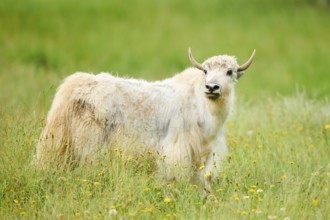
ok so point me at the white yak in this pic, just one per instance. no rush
(181, 118)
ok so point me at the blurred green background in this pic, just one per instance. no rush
(42, 41)
(278, 144)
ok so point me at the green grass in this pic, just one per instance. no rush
(279, 160)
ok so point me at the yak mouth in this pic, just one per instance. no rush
(212, 95)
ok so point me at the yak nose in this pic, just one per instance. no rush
(212, 87)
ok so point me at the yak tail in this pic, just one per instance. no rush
(55, 143)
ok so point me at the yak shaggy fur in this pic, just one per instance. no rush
(174, 117)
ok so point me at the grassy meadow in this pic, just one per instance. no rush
(278, 165)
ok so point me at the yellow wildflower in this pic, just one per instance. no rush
(167, 200)
(326, 126)
(147, 210)
(129, 158)
(131, 214)
(195, 186)
(244, 213)
(315, 201)
(201, 167)
(117, 149)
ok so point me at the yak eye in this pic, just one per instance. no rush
(229, 72)
(205, 71)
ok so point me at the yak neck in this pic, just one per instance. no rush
(222, 107)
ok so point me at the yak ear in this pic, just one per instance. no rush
(239, 74)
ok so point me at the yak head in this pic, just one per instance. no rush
(221, 73)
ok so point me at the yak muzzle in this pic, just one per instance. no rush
(212, 91)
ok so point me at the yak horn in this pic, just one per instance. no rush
(248, 63)
(193, 61)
